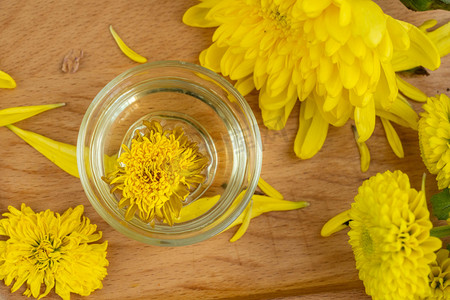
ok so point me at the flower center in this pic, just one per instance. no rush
(277, 19)
(366, 243)
(45, 253)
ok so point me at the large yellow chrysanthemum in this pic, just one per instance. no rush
(390, 237)
(51, 249)
(434, 137)
(338, 57)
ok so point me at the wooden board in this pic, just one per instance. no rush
(282, 255)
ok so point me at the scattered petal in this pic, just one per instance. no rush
(15, 114)
(125, 49)
(243, 228)
(335, 224)
(393, 138)
(269, 190)
(61, 154)
(6, 81)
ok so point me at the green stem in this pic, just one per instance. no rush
(441, 231)
(421, 5)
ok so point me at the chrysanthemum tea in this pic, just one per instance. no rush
(157, 173)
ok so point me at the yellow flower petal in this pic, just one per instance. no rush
(276, 119)
(245, 85)
(6, 81)
(400, 112)
(196, 16)
(363, 151)
(335, 224)
(212, 56)
(311, 133)
(125, 49)
(393, 138)
(422, 51)
(263, 204)
(16, 114)
(196, 208)
(410, 91)
(61, 154)
(427, 25)
(399, 35)
(313, 8)
(441, 38)
(269, 190)
(365, 121)
(243, 228)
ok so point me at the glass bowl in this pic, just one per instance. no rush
(211, 112)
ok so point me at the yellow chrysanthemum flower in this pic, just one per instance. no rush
(390, 237)
(338, 57)
(439, 277)
(51, 249)
(157, 173)
(434, 136)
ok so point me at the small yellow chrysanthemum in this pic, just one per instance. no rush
(439, 276)
(51, 249)
(390, 237)
(434, 137)
(157, 173)
(338, 57)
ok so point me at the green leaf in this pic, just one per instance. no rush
(441, 204)
(422, 5)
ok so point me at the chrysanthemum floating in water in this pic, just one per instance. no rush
(390, 236)
(338, 57)
(157, 173)
(434, 136)
(51, 249)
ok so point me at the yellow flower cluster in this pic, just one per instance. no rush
(390, 237)
(51, 249)
(338, 57)
(156, 174)
(434, 136)
(439, 276)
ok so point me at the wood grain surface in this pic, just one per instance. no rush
(282, 254)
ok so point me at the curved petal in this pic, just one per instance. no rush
(441, 38)
(363, 151)
(16, 114)
(393, 138)
(125, 49)
(365, 120)
(243, 228)
(61, 154)
(211, 57)
(400, 112)
(245, 85)
(6, 81)
(276, 119)
(269, 190)
(311, 133)
(410, 91)
(335, 224)
(422, 51)
(196, 16)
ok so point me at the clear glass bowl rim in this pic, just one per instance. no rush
(252, 124)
